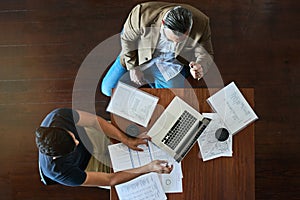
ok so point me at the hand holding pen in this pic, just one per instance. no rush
(196, 70)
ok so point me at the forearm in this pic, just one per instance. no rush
(110, 130)
(203, 58)
(89, 120)
(158, 166)
(124, 176)
(129, 38)
(204, 50)
(129, 52)
(105, 179)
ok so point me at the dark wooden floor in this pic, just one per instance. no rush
(44, 43)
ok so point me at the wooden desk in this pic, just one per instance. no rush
(230, 178)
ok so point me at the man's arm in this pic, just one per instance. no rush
(106, 179)
(129, 41)
(204, 56)
(204, 52)
(89, 120)
(130, 34)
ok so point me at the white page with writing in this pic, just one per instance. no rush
(172, 183)
(132, 104)
(210, 146)
(124, 158)
(232, 107)
(145, 187)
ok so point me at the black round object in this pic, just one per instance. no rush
(132, 130)
(222, 134)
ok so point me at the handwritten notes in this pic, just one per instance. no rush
(210, 146)
(232, 114)
(232, 107)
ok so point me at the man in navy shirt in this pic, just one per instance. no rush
(65, 150)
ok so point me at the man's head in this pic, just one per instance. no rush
(179, 20)
(54, 141)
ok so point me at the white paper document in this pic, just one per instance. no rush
(124, 158)
(132, 104)
(168, 69)
(210, 146)
(145, 187)
(232, 107)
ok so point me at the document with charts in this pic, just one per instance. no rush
(132, 104)
(232, 108)
(145, 187)
(123, 158)
(210, 146)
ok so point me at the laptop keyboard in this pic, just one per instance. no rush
(205, 123)
(179, 129)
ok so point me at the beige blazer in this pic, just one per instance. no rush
(141, 33)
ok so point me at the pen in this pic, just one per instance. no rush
(166, 164)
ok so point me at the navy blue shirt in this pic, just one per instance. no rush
(69, 169)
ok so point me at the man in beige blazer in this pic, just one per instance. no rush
(160, 41)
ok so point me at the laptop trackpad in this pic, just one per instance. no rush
(162, 125)
(168, 120)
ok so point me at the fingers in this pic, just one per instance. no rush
(161, 162)
(196, 70)
(196, 74)
(166, 170)
(192, 64)
(144, 136)
(135, 142)
(138, 82)
(142, 141)
(199, 74)
(137, 76)
(163, 166)
(137, 148)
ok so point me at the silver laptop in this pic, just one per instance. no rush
(178, 128)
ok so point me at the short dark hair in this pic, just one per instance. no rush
(54, 141)
(178, 19)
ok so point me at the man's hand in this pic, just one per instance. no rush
(137, 76)
(196, 70)
(133, 143)
(160, 166)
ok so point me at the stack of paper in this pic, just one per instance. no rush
(232, 113)
(124, 158)
(145, 187)
(210, 146)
